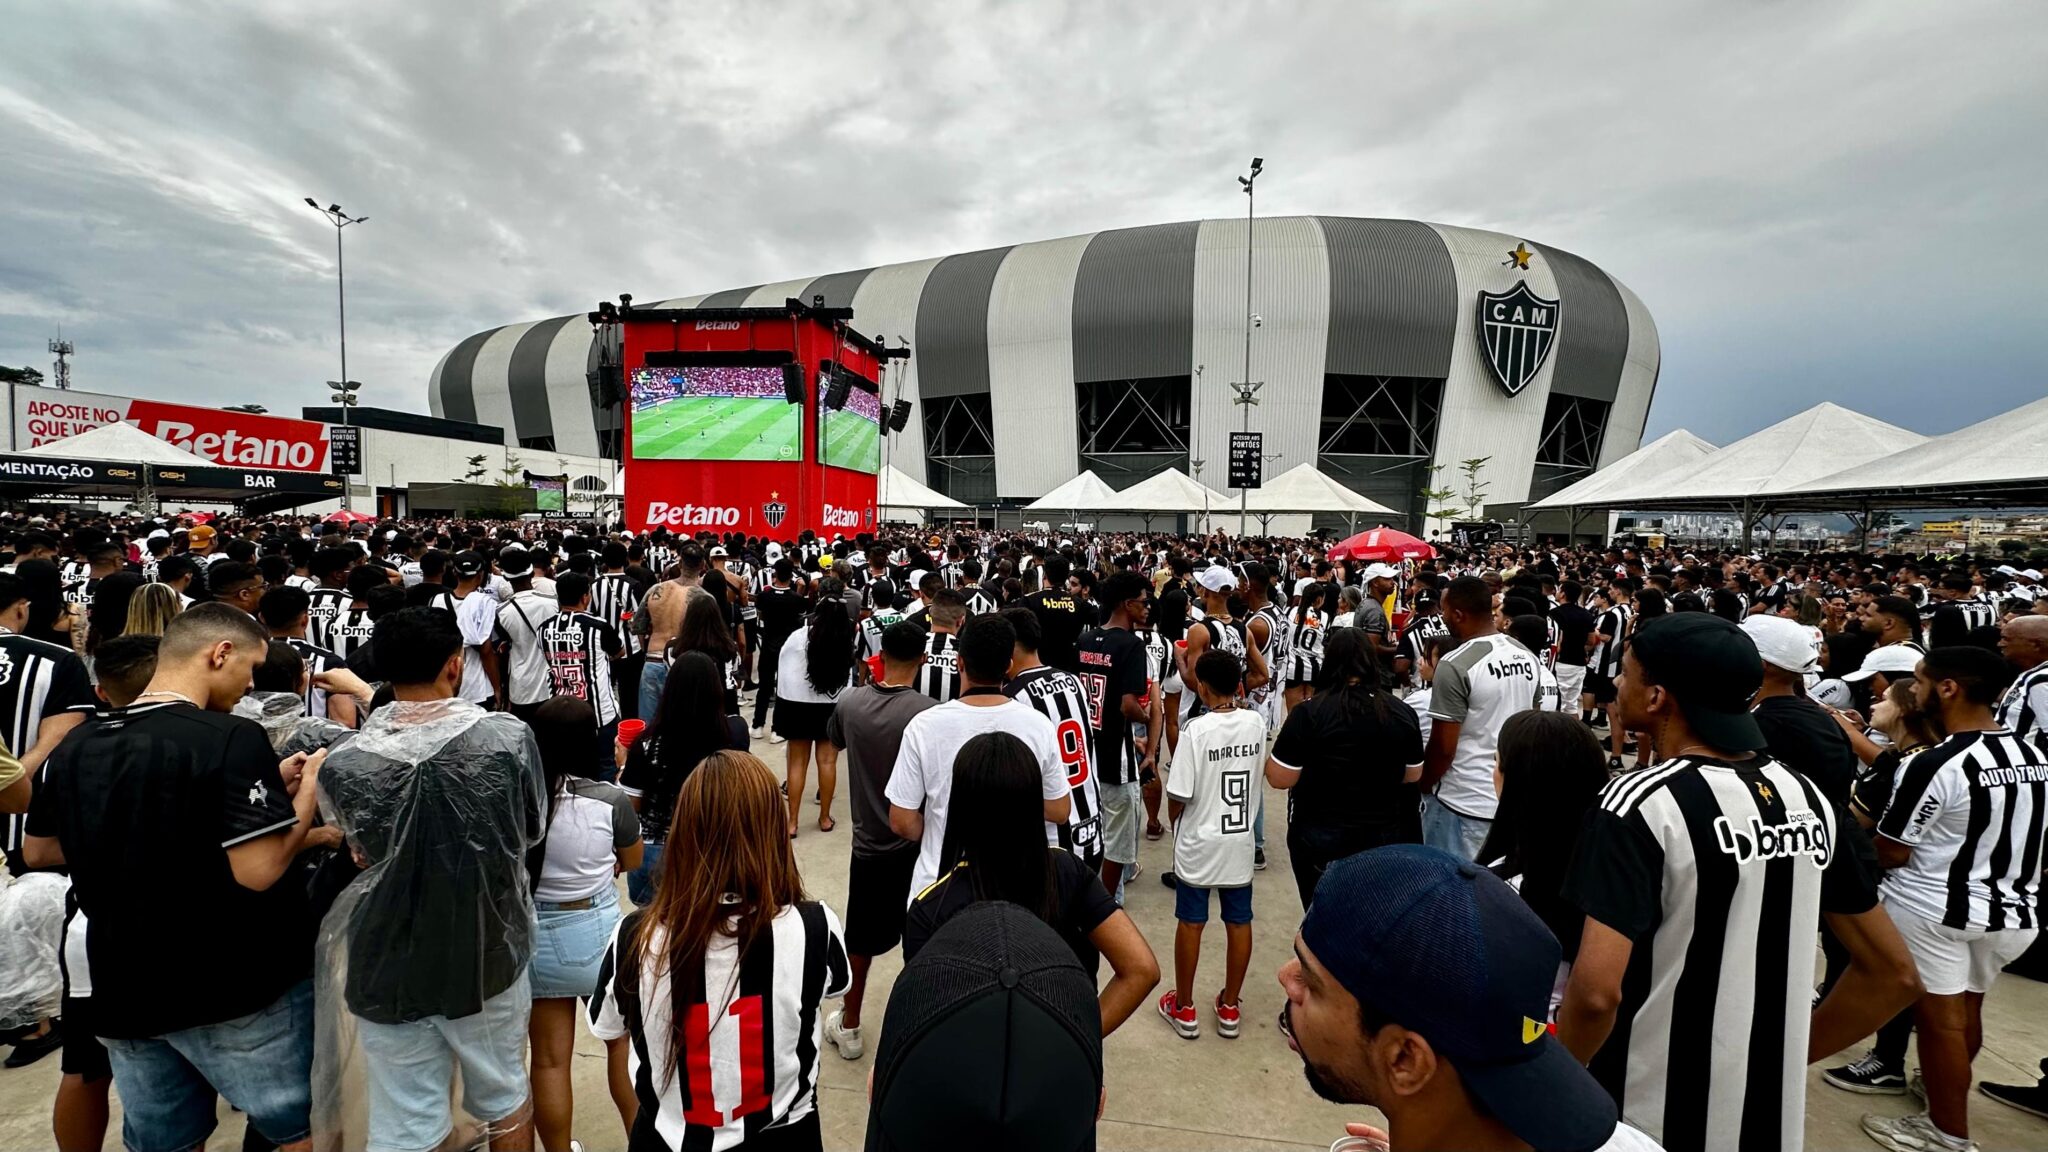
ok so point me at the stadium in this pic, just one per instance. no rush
(1387, 352)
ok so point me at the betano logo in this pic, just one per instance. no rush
(836, 517)
(662, 514)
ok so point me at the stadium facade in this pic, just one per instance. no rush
(1385, 348)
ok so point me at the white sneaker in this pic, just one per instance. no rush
(1914, 1133)
(758, 732)
(777, 738)
(847, 1040)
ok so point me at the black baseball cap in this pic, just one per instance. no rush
(1712, 667)
(994, 1037)
(1444, 948)
(470, 563)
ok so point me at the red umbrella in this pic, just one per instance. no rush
(1382, 544)
(347, 517)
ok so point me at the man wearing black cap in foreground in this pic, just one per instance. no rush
(993, 1039)
(1704, 879)
(1419, 986)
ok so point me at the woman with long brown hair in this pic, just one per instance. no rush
(730, 945)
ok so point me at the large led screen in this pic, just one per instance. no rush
(714, 413)
(852, 436)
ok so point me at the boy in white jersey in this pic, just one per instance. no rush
(1211, 794)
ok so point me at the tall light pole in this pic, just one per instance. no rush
(1245, 388)
(344, 389)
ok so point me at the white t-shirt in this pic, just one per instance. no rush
(1479, 685)
(1217, 770)
(792, 675)
(1419, 700)
(592, 822)
(923, 777)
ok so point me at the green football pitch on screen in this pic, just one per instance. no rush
(719, 428)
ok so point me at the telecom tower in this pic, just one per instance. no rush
(62, 349)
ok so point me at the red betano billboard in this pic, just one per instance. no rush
(713, 441)
(239, 439)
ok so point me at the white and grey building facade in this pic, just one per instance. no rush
(1118, 351)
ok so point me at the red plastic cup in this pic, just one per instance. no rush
(630, 730)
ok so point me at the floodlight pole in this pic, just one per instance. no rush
(340, 220)
(1245, 386)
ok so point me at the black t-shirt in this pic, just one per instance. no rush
(1803, 737)
(1061, 617)
(1080, 905)
(1352, 751)
(145, 802)
(1574, 624)
(1112, 664)
(655, 787)
(781, 612)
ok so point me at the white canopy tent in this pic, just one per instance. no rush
(123, 442)
(2000, 460)
(1672, 454)
(1824, 439)
(898, 497)
(1303, 489)
(1085, 492)
(1171, 491)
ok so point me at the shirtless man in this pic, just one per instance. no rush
(663, 606)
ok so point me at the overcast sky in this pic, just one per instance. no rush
(1815, 201)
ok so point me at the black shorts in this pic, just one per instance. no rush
(83, 1054)
(1601, 687)
(877, 896)
(801, 720)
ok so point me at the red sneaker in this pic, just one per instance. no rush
(1228, 1018)
(1181, 1016)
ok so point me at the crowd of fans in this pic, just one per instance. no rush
(1598, 847)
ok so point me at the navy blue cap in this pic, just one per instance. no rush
(1444, 948)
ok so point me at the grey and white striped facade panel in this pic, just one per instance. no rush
(1022, 324)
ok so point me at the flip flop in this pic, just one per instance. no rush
(827, 824)
(1155, 831)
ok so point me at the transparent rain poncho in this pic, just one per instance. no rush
(31, 938)
(441, 803)
(284, 720)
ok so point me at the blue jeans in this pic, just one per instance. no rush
(410, 1068)
(1454, 833)
(653, 677)
(262, 1063)
(570, 944)
(640, 881)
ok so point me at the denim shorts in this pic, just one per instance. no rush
(640, 881)
(1191, 904)
(570, 943)
(410, 1068)
(262, 1063)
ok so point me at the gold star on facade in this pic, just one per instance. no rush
(1519, 257)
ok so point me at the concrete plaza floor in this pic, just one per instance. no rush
(1169, 1093)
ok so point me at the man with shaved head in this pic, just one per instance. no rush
(2023, 710)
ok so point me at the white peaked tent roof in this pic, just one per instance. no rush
(1824, 439)
(1084, 491)
(1672, 454)
(1168, 491)
(2007, 450)
(896, 490)
(124, 443)
(1303, 489)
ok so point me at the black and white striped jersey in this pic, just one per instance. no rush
(1305, 637)
(37, 681)
(614, 599)
(1605, 659)
(1972, 809)
(323, 605)
(1718, 871)
(1950, 622)
(659, 559)
(2023, 710)
(1059, 697)
(752, 1029)
(578, 648)
(350, 629)
(979, 602)
(1415, 639)
(317, 660)
(939, 678)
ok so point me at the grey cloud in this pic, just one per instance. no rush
(1824, 201)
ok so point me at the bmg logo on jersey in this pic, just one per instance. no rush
(1803, 834)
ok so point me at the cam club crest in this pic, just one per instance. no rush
(1516, 331)
(773, 510)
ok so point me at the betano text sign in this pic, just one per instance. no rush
(243, 439)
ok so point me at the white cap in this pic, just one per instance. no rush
(916, 579)
(718, 551)
(2007, 569)
(157, 534)
(857, 559)
(773, 552)
(1381, 571)
(1894, 660)
(1832, 693)
(1783, 643)
(2031, 573)
(1216, 578)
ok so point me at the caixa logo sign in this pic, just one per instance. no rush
(837, 517)
(662, 514)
